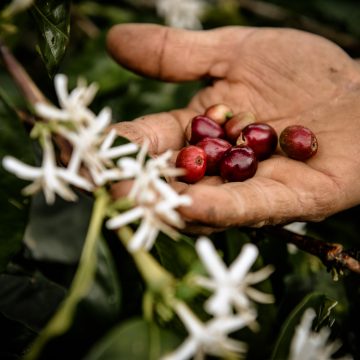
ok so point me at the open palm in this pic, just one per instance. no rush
(284, 77)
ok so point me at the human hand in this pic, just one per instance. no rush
(284, 77)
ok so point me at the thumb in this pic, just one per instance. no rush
(163, 130)
(174, 54)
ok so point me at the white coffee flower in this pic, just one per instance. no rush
(231, 286)
(93, 151)
(50, 178)
(73, 106)
(182, 14)
(310, 345)
(209, 338)
(156, 201)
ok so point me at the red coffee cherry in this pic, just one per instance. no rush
(262, 138)
(215, 150)
(235, 124)
(238, 164)
(219, 113)
(202, 127)
(298, 142)
(193, 160)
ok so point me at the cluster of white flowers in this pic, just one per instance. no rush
(231, 291)
(92, 149)
(155, 199)
(310, 345)
(182, 14)
(91, 146)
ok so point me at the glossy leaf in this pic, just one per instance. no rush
(57, 232)
(96, 312)
(52, 18)
(135, 339)
(28, 297)
(175, 256)
(82, 282)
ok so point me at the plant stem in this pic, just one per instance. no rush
(82, 281)
(156, 277)
(30, 91)
(331, 254)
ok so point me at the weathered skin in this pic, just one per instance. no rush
(284, 77)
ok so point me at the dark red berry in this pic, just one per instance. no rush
(202, 127)
(298, 142)
(219, 113)
(235, 124)
(262, 138)
(238, 164)
(215, 150)
(193, 160)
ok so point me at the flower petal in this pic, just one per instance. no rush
(210, 258)
(117, 151)
(243, 262)
(125, 218)
(75, 179)
(20, 169)
(185, 351)
(50, 112)
(140, 238)
(193, 325)
(219, 304)
(61, 88)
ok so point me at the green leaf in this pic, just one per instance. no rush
(82, 282)
(104, 298)
(13, 206)
(28, 297)
(96, 312)
(323, 307)
(52, 18)
(175, 256)
(15, 338)
(57, 232)
(135, 339)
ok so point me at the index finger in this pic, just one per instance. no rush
(175, 54)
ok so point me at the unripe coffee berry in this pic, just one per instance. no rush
(238, 164)
(235, 124)
(215, 150)
(219, 113)
(202, 127)
(262, 138)
(298, 142)
(193, 160)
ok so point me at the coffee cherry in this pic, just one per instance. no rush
(298, 142)
(193, 160)
(235, 124)
(202, 127)
(219, 113)
(214, 149)
(262, 138)
(238, 164)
